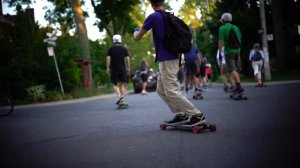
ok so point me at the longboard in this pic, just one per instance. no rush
(238, 96)
(195, 129)
(122, 106)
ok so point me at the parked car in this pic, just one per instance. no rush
(138, 83)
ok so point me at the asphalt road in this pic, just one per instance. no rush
(263, 131)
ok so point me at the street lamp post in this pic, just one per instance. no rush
(50, 48)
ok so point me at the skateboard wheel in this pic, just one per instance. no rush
(196, 129)
(162, 126)
(212, 127)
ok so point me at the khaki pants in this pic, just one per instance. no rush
(168, 89)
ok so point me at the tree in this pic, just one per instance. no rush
(68, 12)
(114, 15)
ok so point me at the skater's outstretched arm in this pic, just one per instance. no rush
(137, 35)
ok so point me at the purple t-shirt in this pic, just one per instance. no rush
(155, 22)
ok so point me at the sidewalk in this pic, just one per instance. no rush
(112, 95)
(65, 101)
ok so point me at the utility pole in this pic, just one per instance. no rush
(265, 47)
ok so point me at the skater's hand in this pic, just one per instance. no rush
(136, 31)
(108, 71)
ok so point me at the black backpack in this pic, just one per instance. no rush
(257, 56)
(178, 37)
(234, 41)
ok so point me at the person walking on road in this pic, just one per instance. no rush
(256, 57)
(144, 66)
(118, 67)
(167, 86)
(201, 73)
(208, 72)
(230, 39)
(192, 60)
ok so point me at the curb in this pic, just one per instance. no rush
(80, 100)
(113, 95)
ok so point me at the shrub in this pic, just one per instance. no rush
(36, 92)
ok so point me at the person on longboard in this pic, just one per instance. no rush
(191, 64)
(230, 38)
(118, 67)
(167, 86)
(256, 57)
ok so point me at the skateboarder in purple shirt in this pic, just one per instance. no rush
(167, 87)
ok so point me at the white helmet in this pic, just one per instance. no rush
(117, 38)
(226, 17)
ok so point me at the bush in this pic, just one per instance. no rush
(36, 92)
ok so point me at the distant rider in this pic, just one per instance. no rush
(118, 67)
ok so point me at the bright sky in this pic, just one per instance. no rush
(93, 31)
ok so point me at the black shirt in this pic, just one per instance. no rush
(117, 55)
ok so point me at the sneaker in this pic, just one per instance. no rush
(197, 119)
(197, 92)
(144, 92)
(178, 119)
(119, 99)
(226, 89)
(186, 90)
(262, 85)
(121, 102)
(237, 90)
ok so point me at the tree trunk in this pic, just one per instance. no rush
(83, 41)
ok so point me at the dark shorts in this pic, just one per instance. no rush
(119, 77)
(233, 62)
(190, 68)
(144, 77)
(180, 76)
(208, 76)
(202, 72)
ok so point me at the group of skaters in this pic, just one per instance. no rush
(195, 72)
(118, 66)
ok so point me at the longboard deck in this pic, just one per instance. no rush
(240, 96)
(122, 106)
(195, 129)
